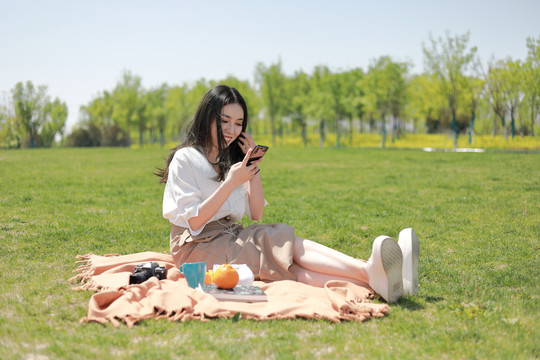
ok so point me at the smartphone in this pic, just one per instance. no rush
(257, 153)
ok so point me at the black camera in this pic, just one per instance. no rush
(143, 272)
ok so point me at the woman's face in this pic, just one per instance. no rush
(232, 118)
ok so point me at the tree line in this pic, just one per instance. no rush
(456, 94)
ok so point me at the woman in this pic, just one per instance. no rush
(210, 187)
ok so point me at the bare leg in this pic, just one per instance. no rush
(314, 278)
(317, 262)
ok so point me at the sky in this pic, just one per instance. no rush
(79, 49)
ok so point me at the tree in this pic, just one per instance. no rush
(84, 136)
(337, 84)
(127, 104)
(369, 100)
(99, 126)
(298, 92)
(181, 103)
(57, 113)
(30, 108)
(473, 91)
(140, 115)
(426, 102)
(497, 95)
(376, 83)
(38, 119)
(398, 84)
(194, 96)
(387, 83)
(512, 86)
(449, 59)
(351, 99)
(156, 112)
(10, 129)
(271, 82)
(532, 79)
(176, 110)
(99, 111)
(322, 104)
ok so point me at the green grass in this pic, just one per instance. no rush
(477, 217)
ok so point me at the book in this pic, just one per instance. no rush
(245, 293)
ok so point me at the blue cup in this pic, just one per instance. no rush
(194, 273)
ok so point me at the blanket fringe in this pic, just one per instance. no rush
(85, 271)
(182, 315)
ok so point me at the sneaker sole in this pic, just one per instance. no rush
(409, 245)
(392, 261)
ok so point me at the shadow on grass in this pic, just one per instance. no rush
(433, 299)
(416, 303)
(410, 303)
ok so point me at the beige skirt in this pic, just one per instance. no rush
(266, 249)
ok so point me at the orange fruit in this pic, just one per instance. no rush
(208, 277)
(225, 276)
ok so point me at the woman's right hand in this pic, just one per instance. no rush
(240, 172)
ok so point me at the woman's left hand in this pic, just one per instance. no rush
(246, 142)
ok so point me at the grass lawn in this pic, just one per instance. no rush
(477, 217)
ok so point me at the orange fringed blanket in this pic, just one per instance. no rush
(116, 301)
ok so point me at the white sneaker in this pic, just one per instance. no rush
(408, 242)
(384, 269)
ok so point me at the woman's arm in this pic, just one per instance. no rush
(237, 175)
(256, 197)
(211, 205)
(255, 189)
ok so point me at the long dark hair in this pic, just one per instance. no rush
(198, 133)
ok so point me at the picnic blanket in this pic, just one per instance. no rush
(117, 302)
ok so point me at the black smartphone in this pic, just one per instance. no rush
(257, 153)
